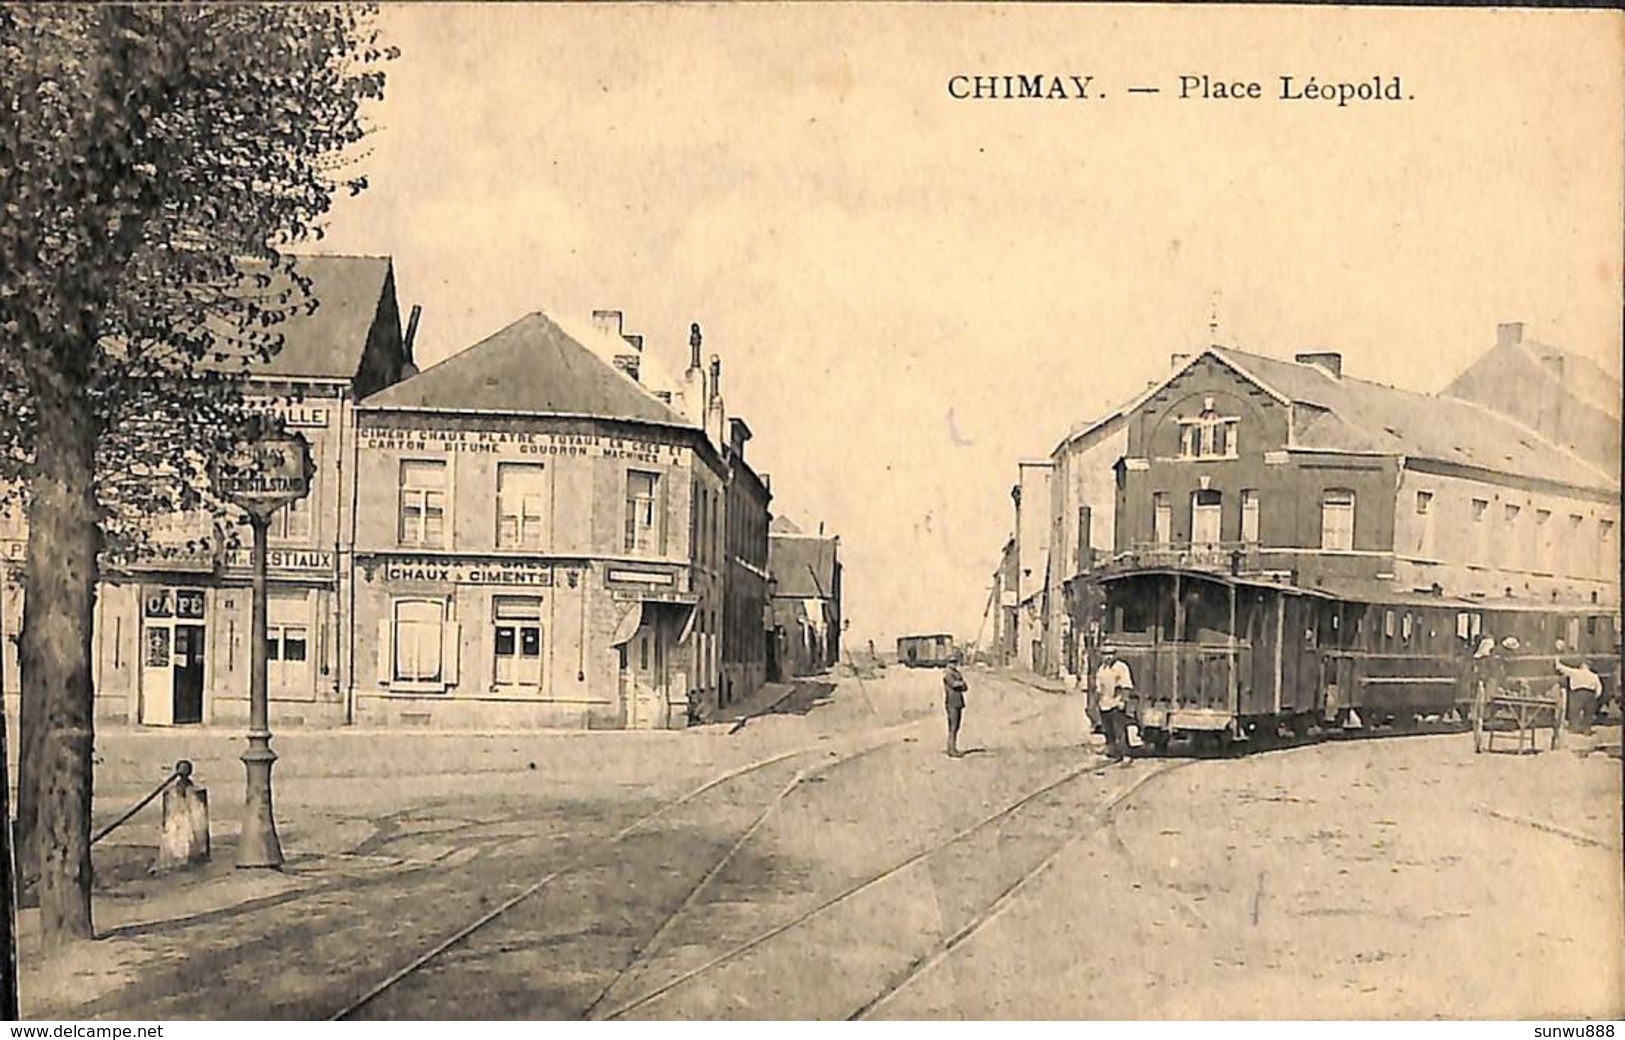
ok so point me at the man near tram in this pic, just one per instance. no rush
(1112, 680)
(1585, 690)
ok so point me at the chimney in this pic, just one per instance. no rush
(631, 362)
(715, 417)
(1509, 333)
(1553, 364)
(694, 340)
(411, 333)
(1328, 361)
(607, 322)
(1177, 361)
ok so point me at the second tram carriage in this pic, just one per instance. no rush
(1224, 657)
(932, 651)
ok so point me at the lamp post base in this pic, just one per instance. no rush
(258, 845)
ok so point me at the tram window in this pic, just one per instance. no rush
(1405, 628)
(1591, 626)
(1478, 623)
(1388, 624)
(1572, 632)
(1463, 625)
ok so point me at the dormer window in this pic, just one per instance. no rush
(1209, 435)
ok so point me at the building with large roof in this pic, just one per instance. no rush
(544, 540)
(1294, 469)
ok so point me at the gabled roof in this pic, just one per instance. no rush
(783, 525)
(328, 343)
(532, 367)
(1334, 413)
(803, 565)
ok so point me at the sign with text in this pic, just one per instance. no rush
(296, 561)
(524, 442)
(528, 573)
(292, 414)
(265, 475)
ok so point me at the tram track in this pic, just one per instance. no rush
(868, 742)
(896, 733)
(876, 879)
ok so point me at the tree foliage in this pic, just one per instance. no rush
(156, 161)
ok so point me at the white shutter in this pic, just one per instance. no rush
(450, 642)
(386, 651)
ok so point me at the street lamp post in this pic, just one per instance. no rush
(270, 469)
(258, 845)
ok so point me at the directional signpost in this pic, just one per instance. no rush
(270, 469)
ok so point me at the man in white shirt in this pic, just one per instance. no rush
(1112, 680)
(1585, 690)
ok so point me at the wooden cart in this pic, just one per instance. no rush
(1526, 711)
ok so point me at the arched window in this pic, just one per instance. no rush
(1337, 520)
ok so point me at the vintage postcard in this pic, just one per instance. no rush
(812, 512)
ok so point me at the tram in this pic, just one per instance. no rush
(929, 651)
(1223, 658)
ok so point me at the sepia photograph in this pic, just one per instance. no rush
(811, 512)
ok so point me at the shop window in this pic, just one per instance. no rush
(517, 641)
(1337, 520)
(419, 645)
(287, 653)
(423, 503)
(643, 514)
(521, 505)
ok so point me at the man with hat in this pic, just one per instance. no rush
(953, 701)
(1112, 680)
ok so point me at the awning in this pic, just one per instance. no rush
(628, 626)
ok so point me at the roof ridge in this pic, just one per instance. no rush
(1530, 431)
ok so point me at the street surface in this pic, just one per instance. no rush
(832, 862)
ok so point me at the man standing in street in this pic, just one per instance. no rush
(953, 699)
(1112, 680)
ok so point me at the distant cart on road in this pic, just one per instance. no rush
(932, 651)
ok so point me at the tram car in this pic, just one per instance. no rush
(1222, 658)
(932, 651)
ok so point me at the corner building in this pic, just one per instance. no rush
(538, 543)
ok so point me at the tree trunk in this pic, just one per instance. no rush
(63, 541)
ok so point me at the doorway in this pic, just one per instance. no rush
(188, 678)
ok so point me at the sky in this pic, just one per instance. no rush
(910, 292)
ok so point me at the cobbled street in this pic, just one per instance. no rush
(830, 861)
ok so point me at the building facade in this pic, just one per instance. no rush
(542, 541)
(171, 631)
(806, 582)
(1260, 465)
(523, 535)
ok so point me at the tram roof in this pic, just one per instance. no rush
(1369, 591)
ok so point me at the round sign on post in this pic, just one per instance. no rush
(270, 469)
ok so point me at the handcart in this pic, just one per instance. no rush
(1525, 711)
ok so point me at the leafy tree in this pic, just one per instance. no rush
(156, 159)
